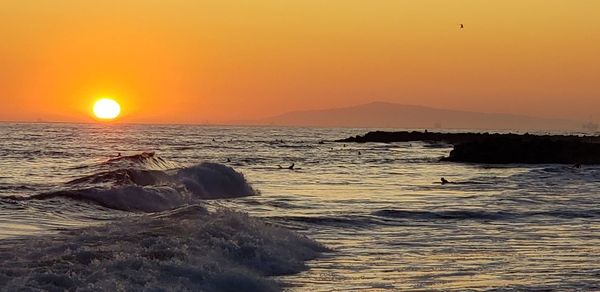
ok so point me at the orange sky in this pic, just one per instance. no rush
(195, 61)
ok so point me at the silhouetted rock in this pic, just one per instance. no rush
(501, 148)
(389, 137)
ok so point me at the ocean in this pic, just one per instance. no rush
(211, 208)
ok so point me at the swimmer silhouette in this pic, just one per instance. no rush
(228, 160)
(359, 153)
(444, 181)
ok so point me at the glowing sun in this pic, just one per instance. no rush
(107, 109)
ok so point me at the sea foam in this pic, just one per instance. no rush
(184, 249)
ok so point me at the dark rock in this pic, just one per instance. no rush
(501, 148)
(389, 137)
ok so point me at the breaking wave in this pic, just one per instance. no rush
(151, 190)
(174, 244)
(187, 249)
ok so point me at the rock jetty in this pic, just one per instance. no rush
(500, 148)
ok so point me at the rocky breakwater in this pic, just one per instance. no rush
(501, 148)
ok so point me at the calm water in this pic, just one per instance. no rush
(388, 223)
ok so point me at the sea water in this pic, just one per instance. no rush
(134, 207)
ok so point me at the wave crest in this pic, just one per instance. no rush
(155, 190)
(147, 160)
(213, 180)
(124, 177)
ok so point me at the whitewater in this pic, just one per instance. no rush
(207, 208)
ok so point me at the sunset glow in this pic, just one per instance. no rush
(198, 61)
(107, 109)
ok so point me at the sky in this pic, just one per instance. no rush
(212, 61)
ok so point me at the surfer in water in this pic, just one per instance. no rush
(444, 181)
(291, 167)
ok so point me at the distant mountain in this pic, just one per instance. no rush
(383, 114)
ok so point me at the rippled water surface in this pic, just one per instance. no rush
(379, 208)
